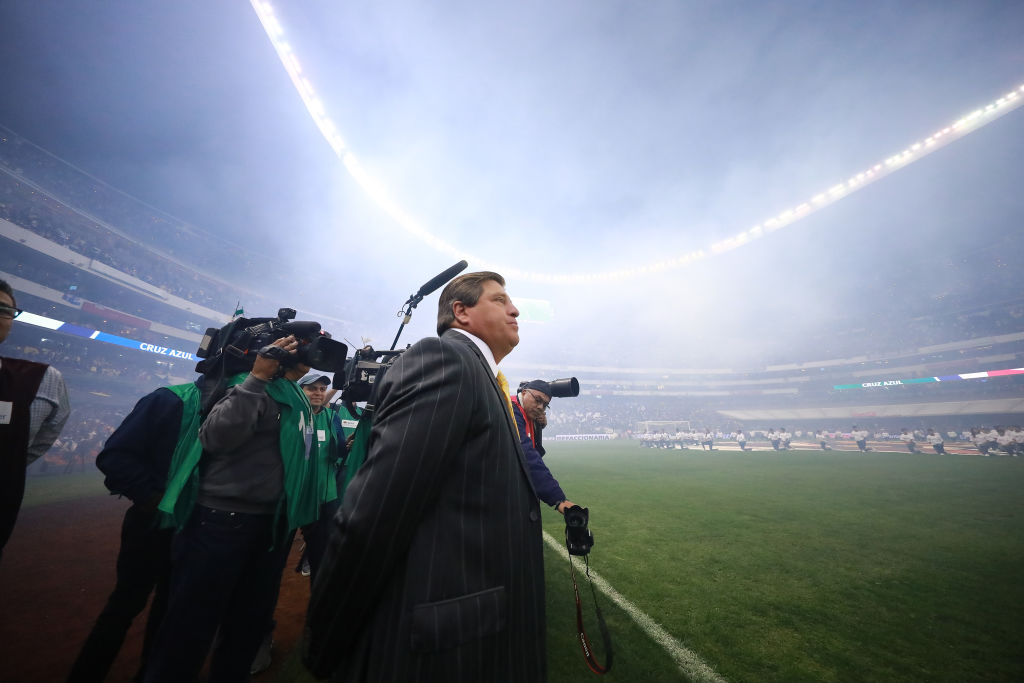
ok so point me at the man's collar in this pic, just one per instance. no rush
(484, 349)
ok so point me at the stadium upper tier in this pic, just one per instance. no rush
(35, 211)
(109, 208)
(91, 255)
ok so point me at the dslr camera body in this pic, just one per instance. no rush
(578, 537)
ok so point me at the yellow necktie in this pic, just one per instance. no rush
(503, 383)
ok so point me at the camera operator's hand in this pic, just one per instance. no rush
(541, 420)
(564, 505)
(266, 368)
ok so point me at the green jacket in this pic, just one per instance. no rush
(304, 473)
(328, 453)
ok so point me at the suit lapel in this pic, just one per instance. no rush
(452, 335)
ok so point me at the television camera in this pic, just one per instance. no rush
(233, 349)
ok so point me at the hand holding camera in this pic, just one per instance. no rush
(272, 355)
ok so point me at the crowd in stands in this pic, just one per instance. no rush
(52, 199)
(591, 415)
(56, 222)
(80, 440)
(96, 367)
(847, 340)
(1000, 440)
(111, 206)
(77, 287)
(123, 375)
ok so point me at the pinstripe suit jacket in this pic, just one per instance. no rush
(434, 571)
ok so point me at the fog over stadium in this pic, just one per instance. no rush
(573, 137)
(767, 238)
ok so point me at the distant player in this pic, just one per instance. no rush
(908, 439)
(785, 438)
(935, 440)
(741, 439)
(822, 436)
(980, 439)
(1004, 441)
(860, 436)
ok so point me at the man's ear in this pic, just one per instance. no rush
(459, 310)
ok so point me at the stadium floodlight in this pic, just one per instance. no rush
(917, 150)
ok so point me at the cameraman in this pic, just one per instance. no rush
(236, 497)
(529, 406)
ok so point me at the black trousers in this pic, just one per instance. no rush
(318, 535)
(143, 564)
(227, 573)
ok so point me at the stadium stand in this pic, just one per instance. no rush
(80, 251)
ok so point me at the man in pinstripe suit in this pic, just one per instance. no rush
(435, 570)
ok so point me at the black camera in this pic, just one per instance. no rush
(363, 371)
(237, 344)
(578, 538)
(232, 349)
(565, 388)
(559, 388)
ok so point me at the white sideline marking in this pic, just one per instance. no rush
(688, 661)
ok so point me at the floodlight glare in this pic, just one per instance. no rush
(917, 150)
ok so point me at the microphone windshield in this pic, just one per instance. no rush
(442, 278)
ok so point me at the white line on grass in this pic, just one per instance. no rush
(688, 661)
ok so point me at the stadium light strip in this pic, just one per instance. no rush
(926, 380)
(97, 335)
(917, 150)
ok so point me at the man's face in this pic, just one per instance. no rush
(5, 321)
(535, 403)
(316, 393)
(493, 319)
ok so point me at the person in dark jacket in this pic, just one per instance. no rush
(33, 409)
(528, 406)
(135, 459)
(435, 567)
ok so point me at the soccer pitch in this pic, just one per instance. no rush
(796, 566)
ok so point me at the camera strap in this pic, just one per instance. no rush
(588, 650)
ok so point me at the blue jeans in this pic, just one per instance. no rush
(224, 573)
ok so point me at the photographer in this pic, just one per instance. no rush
(236, 497)
(529, 406)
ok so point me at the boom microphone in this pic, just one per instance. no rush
(441, 279)
(431, 284)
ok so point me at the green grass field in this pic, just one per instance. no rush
(799, 566)
(56, 488)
